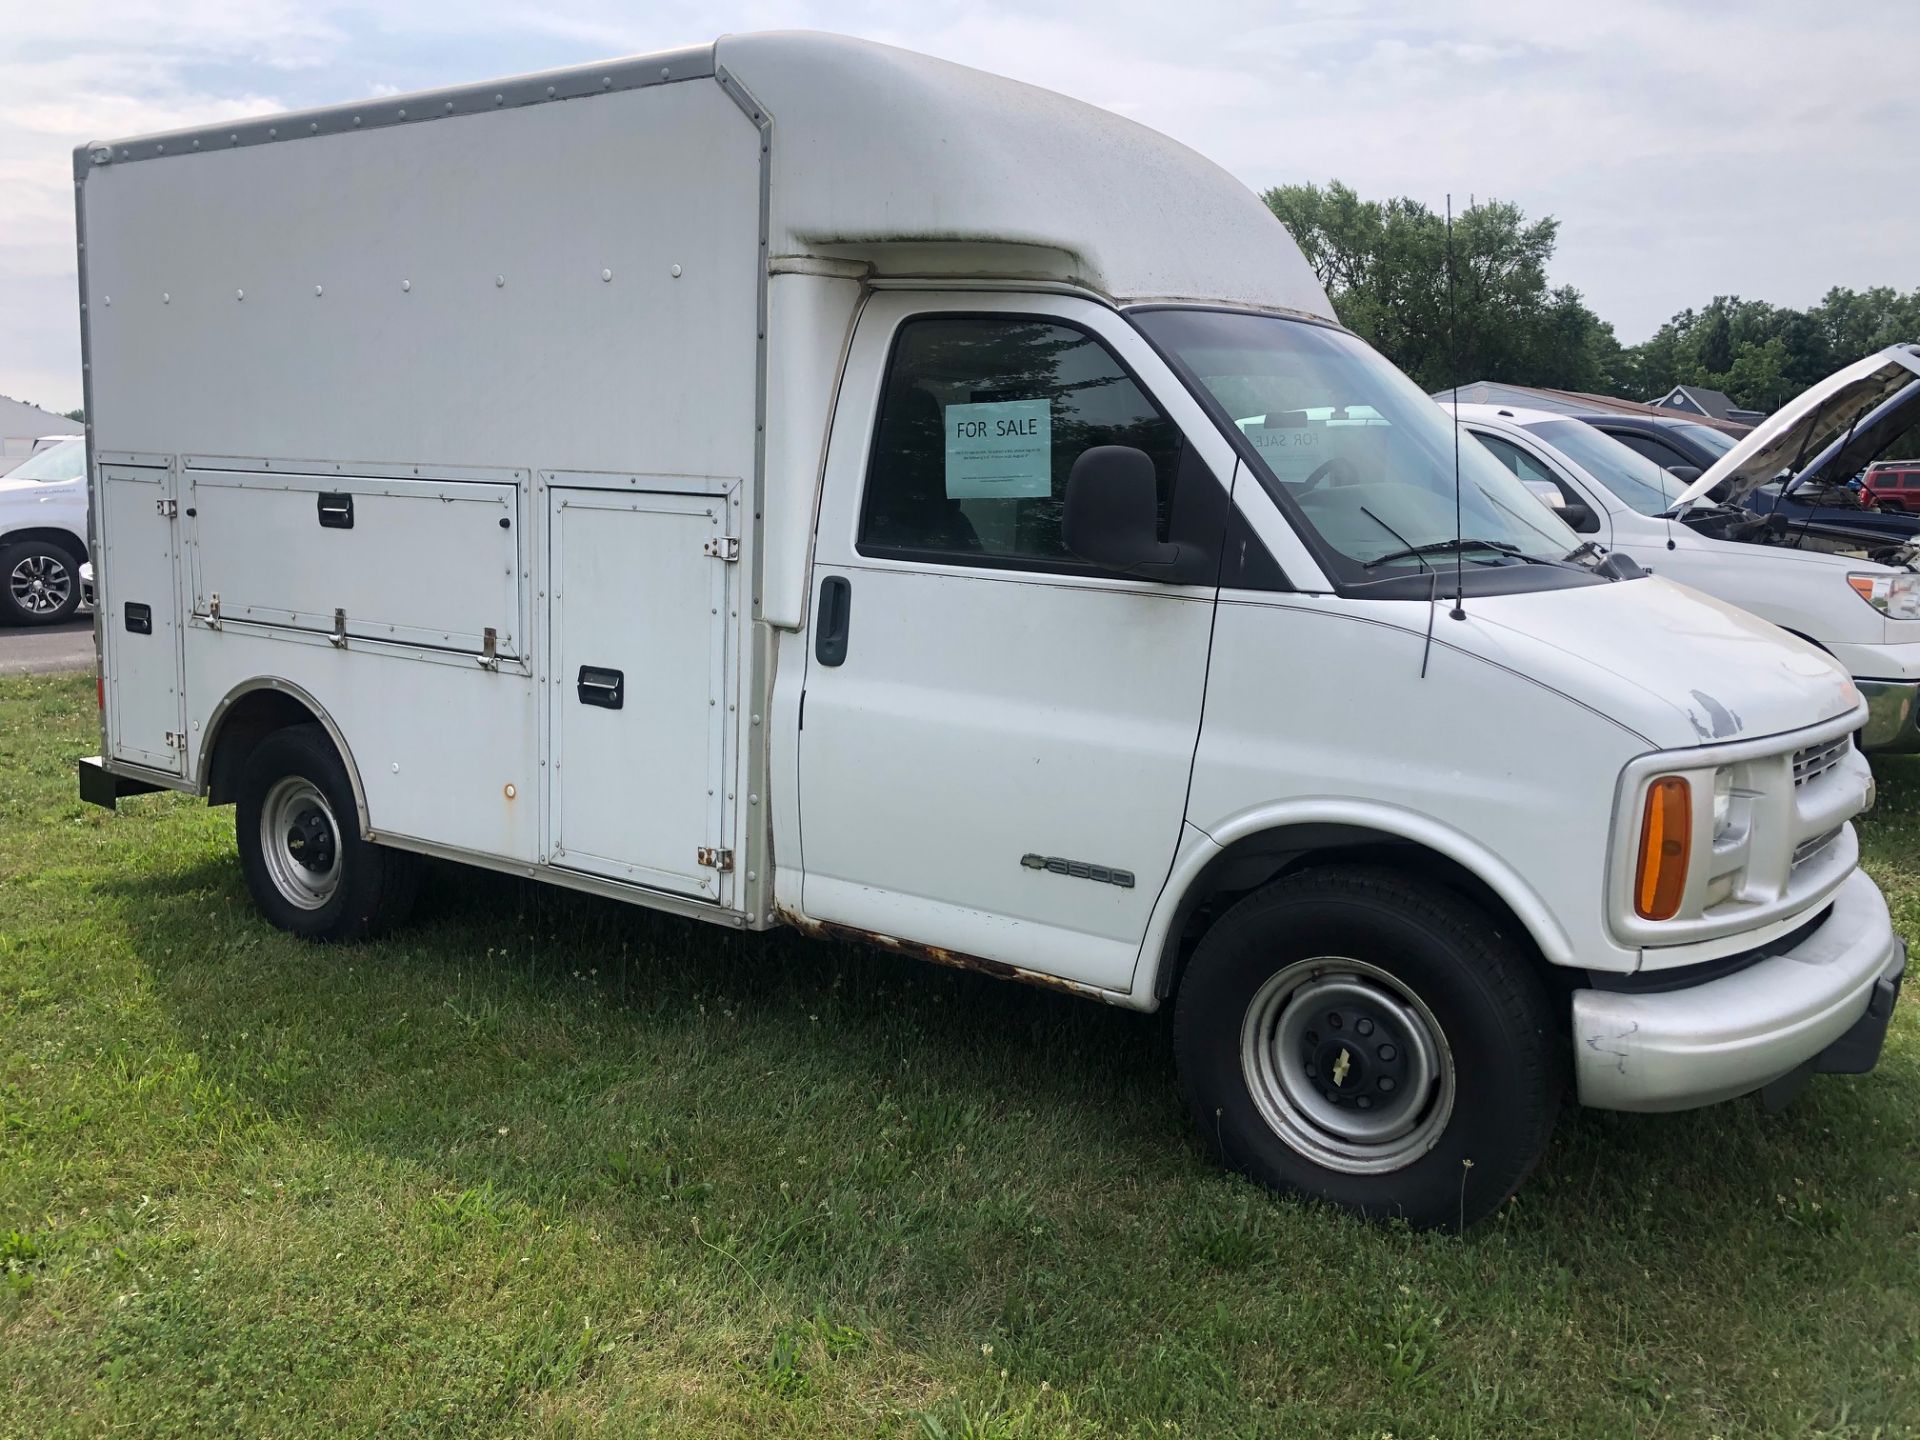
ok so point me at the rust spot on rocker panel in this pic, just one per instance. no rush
(932, 954)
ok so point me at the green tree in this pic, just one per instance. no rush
(1384, 264)
(1716, 345)
(1385, 267)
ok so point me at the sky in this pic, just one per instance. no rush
(1688, 147)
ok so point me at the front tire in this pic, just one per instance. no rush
(1370, 1039)
(39, 583)
(300, 848)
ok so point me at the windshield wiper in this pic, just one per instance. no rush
(1410, 550)
(1438, 547)
(1585, 547)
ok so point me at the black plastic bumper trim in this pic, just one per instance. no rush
(1679, 977)
(1858, 1051)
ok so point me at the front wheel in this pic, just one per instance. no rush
(1370, 1039)
(300, 847)
(39, 583)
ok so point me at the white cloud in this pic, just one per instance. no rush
(1765, 149)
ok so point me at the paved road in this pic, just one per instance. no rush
(44, 649)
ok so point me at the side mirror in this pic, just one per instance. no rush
(1579, 518)
(1687, 474)
(1112, 511)
(1546, 492)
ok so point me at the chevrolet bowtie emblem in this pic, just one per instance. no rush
(1340, 1068)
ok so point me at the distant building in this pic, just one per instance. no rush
(1701, 403)
(1578, 402)
(22, 424)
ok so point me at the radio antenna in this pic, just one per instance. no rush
(1459, 611)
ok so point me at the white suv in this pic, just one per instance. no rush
(43, 534)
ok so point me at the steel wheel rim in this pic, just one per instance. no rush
(1290, 1052)
(40, 584)
(301, 842)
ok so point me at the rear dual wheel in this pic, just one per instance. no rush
(1371, 1039)
(305, 863)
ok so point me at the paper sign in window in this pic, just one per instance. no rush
(999, 451)
(1292, 452)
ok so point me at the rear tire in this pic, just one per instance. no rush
(39, 583)
(1372, 1040)
(300, 848)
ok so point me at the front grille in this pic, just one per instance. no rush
(1807, 849)
(1814, 761)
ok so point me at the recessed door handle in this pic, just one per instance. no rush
(336, 510)
(604, 688)
(830, 625)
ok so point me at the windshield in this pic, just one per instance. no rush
(1636, 480)
(65, 461)
(1354, 450)
(1718, 441)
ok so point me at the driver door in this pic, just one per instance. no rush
(996, 737)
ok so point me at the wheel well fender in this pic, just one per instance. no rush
(1262, 845)
(52, 535)
(249, 713)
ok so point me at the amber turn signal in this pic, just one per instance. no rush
(1666, 842)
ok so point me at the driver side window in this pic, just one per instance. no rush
(1537, 478)
(980, 422)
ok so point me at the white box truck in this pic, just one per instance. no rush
(797, 482)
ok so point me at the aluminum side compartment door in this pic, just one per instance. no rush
(138, 598)
(639, 693)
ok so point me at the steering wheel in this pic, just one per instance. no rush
(1343, 469)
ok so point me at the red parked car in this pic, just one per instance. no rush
(1893, 485)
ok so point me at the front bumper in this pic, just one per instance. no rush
(1677, 1049)
(1893, 716)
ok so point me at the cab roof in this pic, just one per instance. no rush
(1518, 414)
(905, 165)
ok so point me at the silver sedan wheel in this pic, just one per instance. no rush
(301, 842)
(41, 584)
(1347, 1065)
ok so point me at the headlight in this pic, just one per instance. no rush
(1897, 596)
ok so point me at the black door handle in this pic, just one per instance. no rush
(139, 618)
(605, 688)
(336, 509)
(830, 625)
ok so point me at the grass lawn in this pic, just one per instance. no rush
(550, 1165)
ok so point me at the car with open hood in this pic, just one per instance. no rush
(1853, 593)
(1823, 493)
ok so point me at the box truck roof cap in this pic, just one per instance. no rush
(910, 165)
